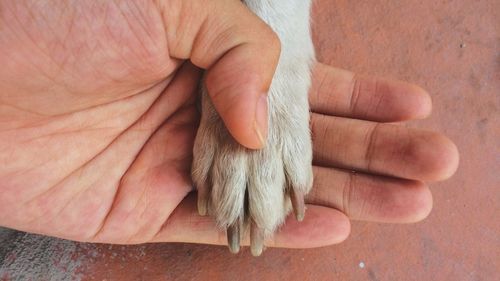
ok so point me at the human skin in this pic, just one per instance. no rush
(98, 118)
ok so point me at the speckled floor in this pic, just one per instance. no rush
(452, 49)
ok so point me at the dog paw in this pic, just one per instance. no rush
(254, 190)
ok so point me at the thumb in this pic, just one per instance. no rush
(240, 53)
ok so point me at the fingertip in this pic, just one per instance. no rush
(408, 202)
(420, 205)
(423, 103)
(321, 226)
(446, 158)
(243, 127)
(337, 225)
(237, 86)
(434, 156)
(406, 101)
(240, 106)
(343, 231)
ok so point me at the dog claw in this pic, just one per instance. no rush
(202, 203)
(233, 237)
(298, 204)
(256, 239)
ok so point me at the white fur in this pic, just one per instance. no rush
(224, 170)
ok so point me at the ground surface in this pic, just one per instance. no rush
(451, 48)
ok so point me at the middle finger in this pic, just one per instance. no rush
(380, 148)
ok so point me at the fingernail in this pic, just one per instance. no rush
(261, 119)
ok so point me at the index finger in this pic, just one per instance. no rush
(342, 93)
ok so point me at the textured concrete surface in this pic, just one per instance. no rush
(450, 48)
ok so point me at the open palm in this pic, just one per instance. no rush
(96, 145)
(96, 121)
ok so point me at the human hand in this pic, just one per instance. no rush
(113, 166)
(93, 94)
(365, 167)
(62, 57)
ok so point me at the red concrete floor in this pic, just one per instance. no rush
(450, 48)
